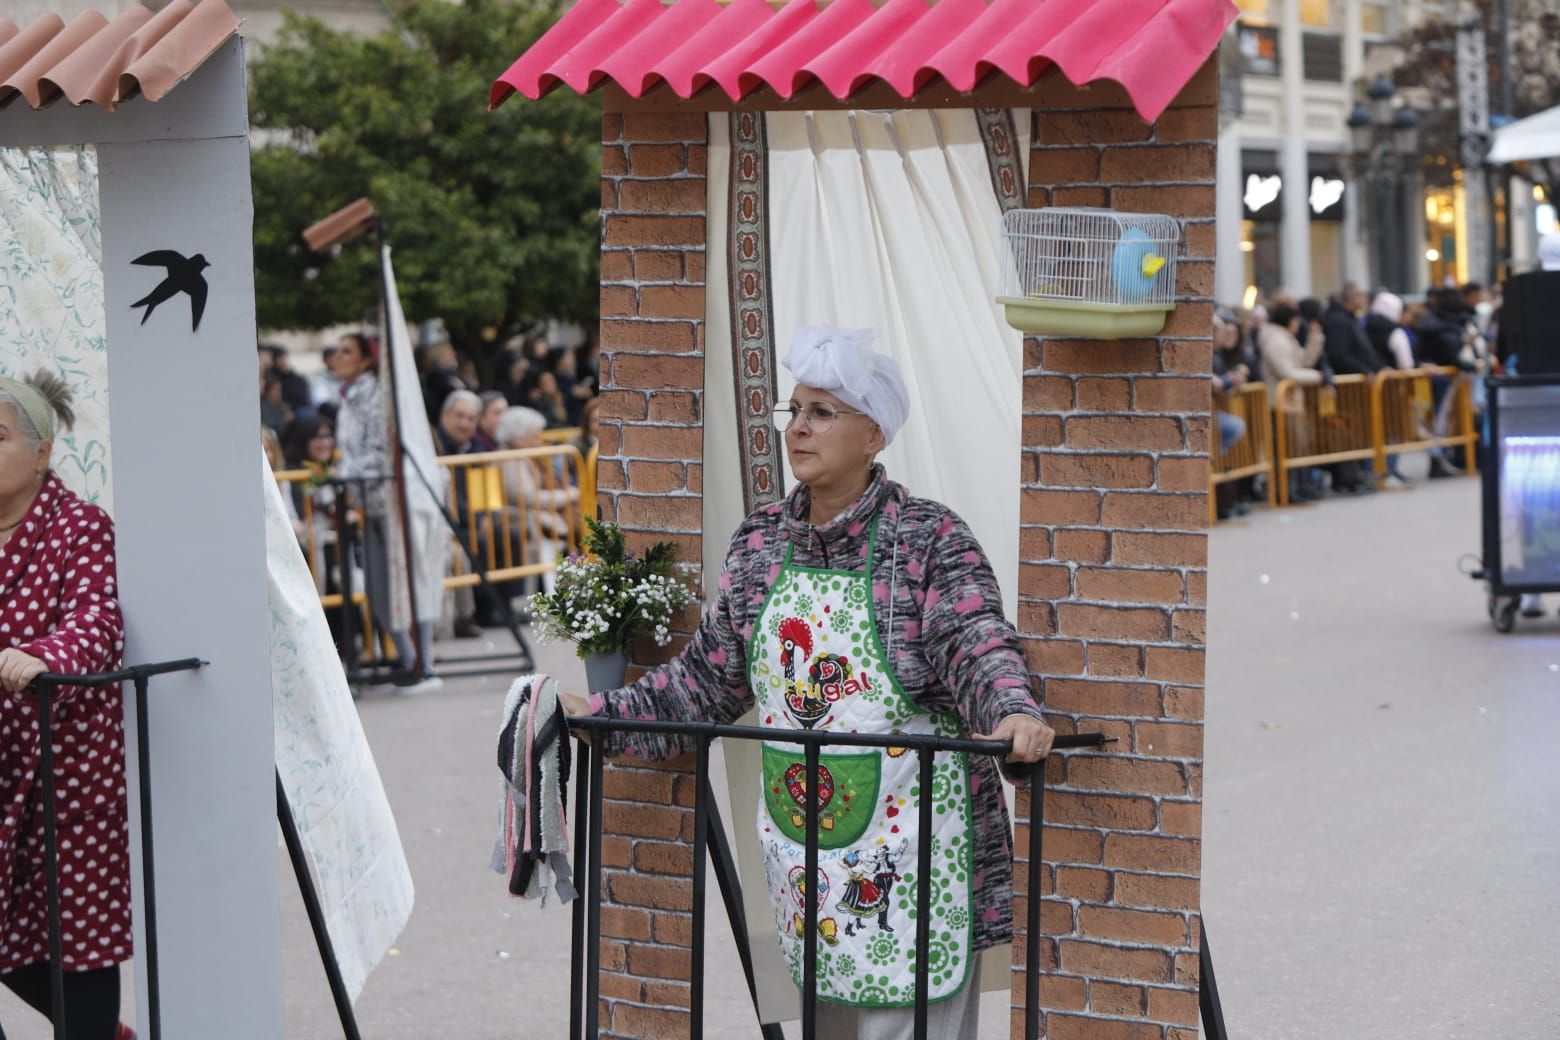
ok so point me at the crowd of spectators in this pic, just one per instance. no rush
(515, 508)
(1310, 342)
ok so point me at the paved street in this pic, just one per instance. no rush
(1382, 829)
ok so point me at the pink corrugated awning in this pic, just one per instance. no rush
(102, 60)
(1151, 47)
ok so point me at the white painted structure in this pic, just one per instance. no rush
(192, 561)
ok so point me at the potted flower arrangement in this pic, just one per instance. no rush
(607, 598)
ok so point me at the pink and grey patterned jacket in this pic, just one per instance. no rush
(952, 649)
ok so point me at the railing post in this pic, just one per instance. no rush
(1032, 905)
(582, 867)
(810, 904)
(923, 892)
(143, 750)
(593, 908)
(701, 822)
(51, 861)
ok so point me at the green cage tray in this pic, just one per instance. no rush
(1084, 320)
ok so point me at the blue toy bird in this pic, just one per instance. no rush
(1134, 265)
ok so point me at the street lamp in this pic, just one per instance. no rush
(1385, 138)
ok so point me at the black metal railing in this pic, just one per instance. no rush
(584, 982)
(43, 688)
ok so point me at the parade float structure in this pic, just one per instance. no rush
(770, 165)
(126, 217)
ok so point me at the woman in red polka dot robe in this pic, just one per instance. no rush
(59, 613)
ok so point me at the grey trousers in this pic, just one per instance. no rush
(957, 1018)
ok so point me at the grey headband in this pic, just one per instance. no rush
(32, 402)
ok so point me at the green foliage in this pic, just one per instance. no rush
(606, 600)
(493, 215)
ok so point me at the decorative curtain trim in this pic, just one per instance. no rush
(1007, 172)
(752, 311)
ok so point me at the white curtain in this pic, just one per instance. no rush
(888, 220)
(51, 297)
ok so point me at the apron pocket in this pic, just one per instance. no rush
(847, 794)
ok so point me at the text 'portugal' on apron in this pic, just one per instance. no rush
(815, 662)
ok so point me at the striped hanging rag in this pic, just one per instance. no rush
(534, 757)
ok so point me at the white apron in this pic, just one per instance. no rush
(815, 662)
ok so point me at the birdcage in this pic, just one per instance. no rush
(1092, 273)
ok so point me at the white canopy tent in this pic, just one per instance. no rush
(1536, 137)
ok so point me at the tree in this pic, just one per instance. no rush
(493, 215)
(1429, 66)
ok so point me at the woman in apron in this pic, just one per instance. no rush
(854, 608)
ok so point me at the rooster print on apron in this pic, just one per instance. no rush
(815, 662)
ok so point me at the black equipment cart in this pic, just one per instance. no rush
(1521, 500)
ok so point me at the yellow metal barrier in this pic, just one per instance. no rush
(517, 509)
(315, 510)
(1250, 456)
(561, 435)
(1405, 416)
(1315, 426)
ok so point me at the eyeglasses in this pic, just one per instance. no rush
(818, 416)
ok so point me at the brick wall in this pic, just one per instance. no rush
(650, 478)
(1112, 588)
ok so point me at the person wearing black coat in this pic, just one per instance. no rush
(1348, 347)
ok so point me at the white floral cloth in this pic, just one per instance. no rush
(51, 297)
(327, 768)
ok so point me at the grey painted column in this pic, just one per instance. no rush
(184, 420)
(1229, 272)
(1356, 262)
(1414, 234)
(1295, 231)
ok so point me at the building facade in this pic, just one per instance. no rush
(1295, 212)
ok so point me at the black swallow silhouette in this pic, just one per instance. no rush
(184, 276)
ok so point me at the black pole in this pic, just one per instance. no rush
(1208, 989)
(1032, 902)
(731, 894)
(923, 893)
(344, 532)
(810, 904)
(701, 822)
(51, 863)
(143, 752)
(311, 903)
(582, 801)
(593, 907)
(398, 450)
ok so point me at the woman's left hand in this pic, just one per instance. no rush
(1031, 738)
(18, 670)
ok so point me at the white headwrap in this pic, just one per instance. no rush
(839, 361)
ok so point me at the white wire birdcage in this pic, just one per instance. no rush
(1088, 272)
